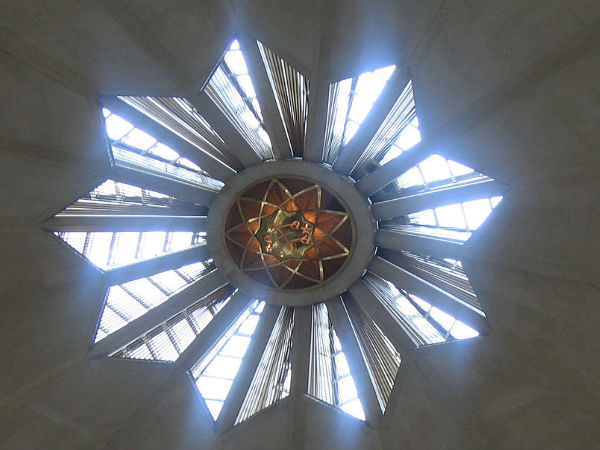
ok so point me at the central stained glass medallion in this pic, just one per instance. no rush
(289, 233)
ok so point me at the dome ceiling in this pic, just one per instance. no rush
(225, 235)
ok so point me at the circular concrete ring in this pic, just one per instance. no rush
(357, 206)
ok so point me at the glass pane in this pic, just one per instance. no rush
(180, 240)
(370, 86)
(139, 139)
(462, 331)
(169, 280)
(476, 212)
(236, 346)
(163, 347)
(223, 367)
(347, 390)
(442, 318)
(164, 152)
(116, 127)
(451, 216)
(213, 388)
(214, 407)
(435, 168)
(354, 408)
(125, 248)
(458, 169)
(152, 244)
(235, 61)
(99, 248)
(341, 365)
(249, 325)
(409, 137)
(360, 108)
(423, 218)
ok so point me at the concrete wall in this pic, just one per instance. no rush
(511, 89)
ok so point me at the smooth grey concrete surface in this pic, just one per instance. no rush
(511, 89)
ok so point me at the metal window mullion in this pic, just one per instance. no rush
(113, 240)
(136, 297)
(350, 101)
(169, 332)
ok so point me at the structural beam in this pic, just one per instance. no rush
(420, 245)
(224, 128)
(155, 182)
(216, 168)
(371, 305)
(215, 330)
(268, 104)
(358, 368)
(374, 181)
(350, 153)
(318, 101)
(439, 298)
(124, 222)
(151, 266)
(174, 304)
(250, 362)
(300, 353)
(433, 199)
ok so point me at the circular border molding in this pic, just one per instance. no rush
(357, 206)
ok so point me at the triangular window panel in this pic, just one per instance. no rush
(106, 249)
(231, 89)
(168, 341)
(136, 149)
(456, 221)
(112, 206)
(215, 372)
(434, 172)
(128, 301)
(330, 379)
(446, 274)
(291, 93)
(182, 118)
(380, 356)
(350, 101)
(398, 133)
(271, 381)
(425, 324)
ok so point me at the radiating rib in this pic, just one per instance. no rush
(124, 222)
(381, 358)
(396, 121)
(268, 383)
(447, 275)
(180, 116)
(221, 124)
(382, 316)
(214, 330)
(318, 99)
(291, 93)
(183, 191)
(242, 381)
(350, 154)
(427, 291)
(433, 199)
(366, 392)
(268, 104)
(102, 207)
(422, 245)
(208, 162)
(301, 350)
(151, 266)
(175, 304)
(387, 173)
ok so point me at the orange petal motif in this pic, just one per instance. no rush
(288, 233)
